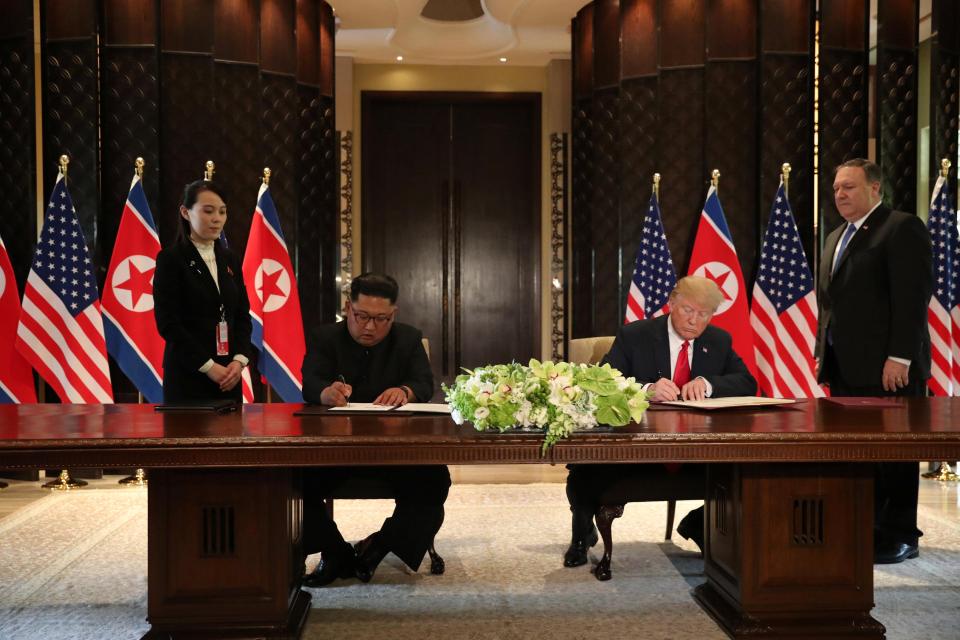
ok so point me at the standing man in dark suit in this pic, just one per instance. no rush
(370, 358)
(200, 304)
(678, 356)
(874, 286)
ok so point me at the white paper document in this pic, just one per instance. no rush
(730, 403)
(363, 406)
(425, 407)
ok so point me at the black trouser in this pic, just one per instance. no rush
(419, 493)
(895, 484)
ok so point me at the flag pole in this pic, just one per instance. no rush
(268, 388)
(656, 186)
(715, 179)
(208, 170)
(785, 176)
(139, 477)
(63, 482)
(943, 473)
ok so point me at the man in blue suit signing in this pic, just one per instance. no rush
(678, 356)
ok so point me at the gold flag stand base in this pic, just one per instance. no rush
(64, 483)
(942, 474)
(137, 480)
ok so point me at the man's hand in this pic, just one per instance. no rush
(394, 397)
(895, 375)
(696, 389)
(336, 395)
(665, 390)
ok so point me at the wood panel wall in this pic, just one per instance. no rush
(245, 83)
(729, 84)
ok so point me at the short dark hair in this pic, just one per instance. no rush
(871, 169)
(377, 285)
(190, 194)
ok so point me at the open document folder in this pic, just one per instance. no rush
(732, 402)
(415, 407)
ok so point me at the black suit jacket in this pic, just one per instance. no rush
(875, 305)
(642, 349)
(397, 360)
(187, 310)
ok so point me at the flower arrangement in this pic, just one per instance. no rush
(558, 397)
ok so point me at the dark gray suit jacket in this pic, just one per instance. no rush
(876, 303)
(642, 349)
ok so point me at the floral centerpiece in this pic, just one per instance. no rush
(558, 397)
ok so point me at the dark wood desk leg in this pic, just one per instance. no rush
(789, 551)
(225, 556)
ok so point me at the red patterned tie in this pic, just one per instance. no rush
(681, 373)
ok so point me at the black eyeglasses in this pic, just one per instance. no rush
(363, 319)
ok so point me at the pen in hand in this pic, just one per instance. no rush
(346, 392)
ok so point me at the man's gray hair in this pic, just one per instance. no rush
(700, 290)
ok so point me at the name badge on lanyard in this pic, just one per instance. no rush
(223, 340)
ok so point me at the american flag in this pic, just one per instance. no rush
(784, 310)
(942, 316)
(653, 274)
(61, 330)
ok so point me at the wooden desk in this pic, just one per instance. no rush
(788, 546)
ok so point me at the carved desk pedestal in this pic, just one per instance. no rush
(789, 550)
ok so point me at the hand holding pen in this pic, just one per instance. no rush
(337, 394)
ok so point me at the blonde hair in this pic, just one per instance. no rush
(698, 290)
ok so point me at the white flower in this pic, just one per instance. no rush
(457, 417)
(481, 413)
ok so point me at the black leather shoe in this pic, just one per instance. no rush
(370, 552)
(576, 554)
(691, 531)
(331, 567)
(895, 552)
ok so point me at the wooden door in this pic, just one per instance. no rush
(451, 208)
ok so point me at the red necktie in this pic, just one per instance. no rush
(681, 373)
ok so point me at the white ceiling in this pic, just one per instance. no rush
(526, 32)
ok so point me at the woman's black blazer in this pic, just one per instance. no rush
(187, 309)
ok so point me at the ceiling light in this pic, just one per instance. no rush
(503, 59)
(399, 58)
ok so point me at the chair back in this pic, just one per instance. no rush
(589, 350)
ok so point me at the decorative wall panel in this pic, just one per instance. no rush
(581, 224)
(70, 127)
(310, 229)
(279, 126)
(638, 145)
(896, 101)
(680, 159)
(17, 141)
(944, 82)
(605, 213)
(330, 205)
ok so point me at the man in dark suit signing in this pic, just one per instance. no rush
(874, 286)
(370, 358)
(678, 356)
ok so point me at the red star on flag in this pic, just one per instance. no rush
(139, 283)
(719, 279)
(269, 287)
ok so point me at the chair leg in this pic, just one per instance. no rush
(605, 516)
(671, 513)
(437, 565)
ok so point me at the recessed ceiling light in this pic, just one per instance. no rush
(399, 58)
(503, 59)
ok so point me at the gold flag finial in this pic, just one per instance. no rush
(138, 167)
(208, 171)
(715, 178)
(785, 176)
(266, 176)
(64, 161)
(656, 185)
(944, 168)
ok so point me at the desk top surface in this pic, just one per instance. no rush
(270, 435)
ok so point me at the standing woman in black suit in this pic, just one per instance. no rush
(201, 304)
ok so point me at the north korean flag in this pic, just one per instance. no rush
(16, 376)
(275, 303)
(715, 257)
(127, 305)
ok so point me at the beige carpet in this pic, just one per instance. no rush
(502, 544)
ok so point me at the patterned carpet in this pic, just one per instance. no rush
(502, 545)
